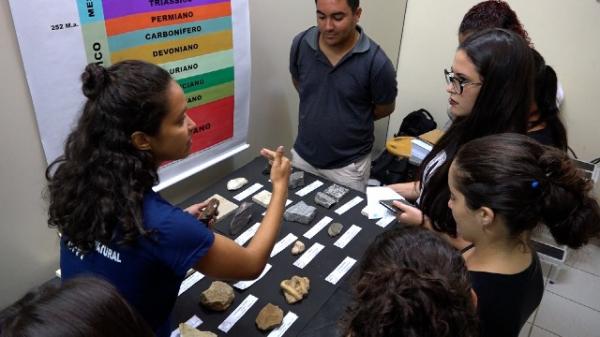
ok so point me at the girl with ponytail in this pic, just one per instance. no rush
(411, 283)
(501, 188)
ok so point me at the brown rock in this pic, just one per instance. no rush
(187, 331)
(218, 296)
(209, 212)
(295, 288)
(269, 317)
(298, 247)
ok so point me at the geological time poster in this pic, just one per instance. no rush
(203, 44)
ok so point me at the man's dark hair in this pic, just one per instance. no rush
(353, 4)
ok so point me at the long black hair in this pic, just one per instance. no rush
(411, 283)
(545, 98)
(527, 183)
(95, 189)
(80, 307)
(505, 63)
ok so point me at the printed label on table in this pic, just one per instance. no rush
(243, 285)
(237, 313)
(385, 221)
(194, 322)
(317, 227)
(347, 206)
(288, 320)
(340, 270)
(308, 255)
(347, 237)
(283, 243)
(309, 188)
(189, 282)
(247, 234)
(248, 192)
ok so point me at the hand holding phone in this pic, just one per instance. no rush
(389, 204)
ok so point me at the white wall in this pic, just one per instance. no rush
(29, 250)
(564, 32)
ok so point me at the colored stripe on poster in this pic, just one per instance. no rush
(90, 11)
(119, 8)
(168, 33)
(214, 123)
(209, 95)
(177, 50)
(182, 69)
(166, 18)
(206, 80)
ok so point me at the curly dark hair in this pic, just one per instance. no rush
(95, 189)
(353, 4)
(411, 283)
(492, 14)
(527, 183)
(79, 307)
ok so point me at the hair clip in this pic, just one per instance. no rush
(535, 184)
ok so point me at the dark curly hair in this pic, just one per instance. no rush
(492, 14)
(95, 189)
(527, 183)
(353, 4)
(80, 307)
(411, 283)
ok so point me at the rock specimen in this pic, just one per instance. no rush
(335, 229)
(324, 200)
(241, 218)
(269, 317)
(225, 207)
(336, 191)
(296, 179)
(298, 248)
(295, 288)
(218, 296)
(263, 198)
(300, 212)
(210, 211)
(187, 331)
(237, 183)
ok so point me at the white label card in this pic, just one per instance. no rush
(247, 192)
(347, 206)
(287, 203)
(308, 255)
(386, 220)
(317, 227)
(288, 320)
(340, 270)
(237, 313)
(283, 243)
(243, 285)
(189, 282)
(347, 237)
(247, 234)
(309, 188)
(194, 322)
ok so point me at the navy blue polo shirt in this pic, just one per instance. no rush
(336, 102)
(148, 273)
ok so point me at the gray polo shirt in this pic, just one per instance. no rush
(336, 103)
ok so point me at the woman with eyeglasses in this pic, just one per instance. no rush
(490, 88)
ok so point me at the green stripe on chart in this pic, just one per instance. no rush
(211, 94)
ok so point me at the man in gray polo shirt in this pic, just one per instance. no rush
(345, 82)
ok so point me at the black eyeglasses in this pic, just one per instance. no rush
(457, 84)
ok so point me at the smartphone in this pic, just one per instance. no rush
(389, 204)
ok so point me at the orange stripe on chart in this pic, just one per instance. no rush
(165, 52)
(144, 21)
(217, 114)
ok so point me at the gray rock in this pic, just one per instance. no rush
(300, 212)
(336, 191)
(335, 229)
(296, 179)
(241, 218)
(218, 296)
(269, 317)
(324, 200)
